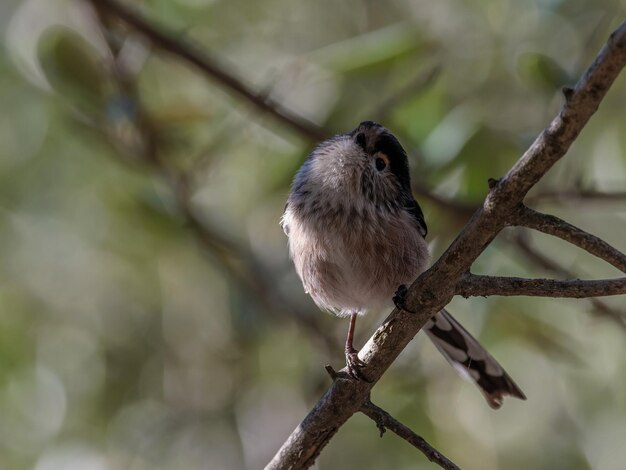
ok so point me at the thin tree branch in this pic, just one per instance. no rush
(475, 285)
(435, 287)
(552, 225)
(385, 421)
(460, 209)
(549, 265)
(184, 49)
(463, 209)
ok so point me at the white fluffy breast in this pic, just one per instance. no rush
(351, 260)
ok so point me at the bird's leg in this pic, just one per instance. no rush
(353, 361)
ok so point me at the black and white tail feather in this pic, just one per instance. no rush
(470, 359)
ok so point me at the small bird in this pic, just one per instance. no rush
(357, 237)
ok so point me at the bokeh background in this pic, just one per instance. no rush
(149, 315)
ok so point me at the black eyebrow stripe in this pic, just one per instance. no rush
(387, 143)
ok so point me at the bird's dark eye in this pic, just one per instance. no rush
(360, 140)
(381, 164)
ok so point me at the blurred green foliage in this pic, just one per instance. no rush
(125, 342)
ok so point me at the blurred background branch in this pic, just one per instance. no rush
(208, 65)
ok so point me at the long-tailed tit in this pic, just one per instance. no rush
(356, 234)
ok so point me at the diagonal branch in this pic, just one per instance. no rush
(434, 288)
(474, 285)
(461, 209)
(188, 51)
(552, 225)
(385, 421)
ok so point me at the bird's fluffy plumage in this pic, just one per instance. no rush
(352, 240)
(356, 233)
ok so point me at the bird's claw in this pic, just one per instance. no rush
(354, 363)
(399, 298)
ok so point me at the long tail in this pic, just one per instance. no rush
(471, 360)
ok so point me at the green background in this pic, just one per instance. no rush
(129, 342)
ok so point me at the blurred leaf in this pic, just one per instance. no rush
(73, 68)
(16, 341)
(373, 49)
(487, 154)
(542, 71)
(421, 114)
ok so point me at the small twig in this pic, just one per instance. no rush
(384, 421)
(167, 41)
(465, 210)
(475, 285)
(461, 209)
(552, 225)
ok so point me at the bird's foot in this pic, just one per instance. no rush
(355, 364)
(399, 298)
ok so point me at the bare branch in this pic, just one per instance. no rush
(465, 210)
(385, 421)
(459, 208)
(434, 288)
(552, 225)
(474, 285)
(209, 65)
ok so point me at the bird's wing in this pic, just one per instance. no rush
(415, 210)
